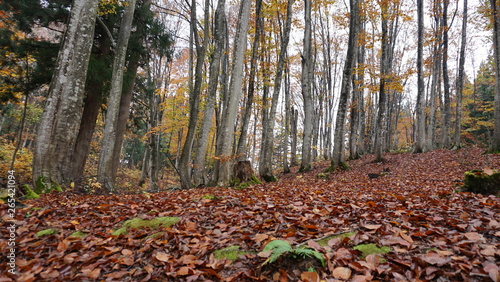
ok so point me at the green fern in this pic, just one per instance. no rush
(280, 247)
(277, 248)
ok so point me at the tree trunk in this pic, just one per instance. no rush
(340, 123)
(446, 80)
(241, 152)
(219, 37)
(420, 142)
(381, 128)
(226, 131)
(106, 162)
(194, 97)
(293, 146)
(495, 144)
(306, 81)
(267, 148)
(59, 124)
(461, 77)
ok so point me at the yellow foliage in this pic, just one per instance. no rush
(22, 165)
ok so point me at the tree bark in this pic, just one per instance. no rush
(420, 142)
(381, 128)
(340, 123)
(446, 80)
(106, 162)
(194, 97)
(219, 37)
(59, 124)
(461, 76)
(226, 132)
(241, 152)
(267, 148)
(495, 144)
(306, 81)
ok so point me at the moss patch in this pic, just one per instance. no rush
(46, 232)
(30, 194)
(42, 186)
(482, 182)
(369, 249)
(324, 242)
(231, 253)
(252, 181)
(78, 234)
(210, 197)
(138, 223)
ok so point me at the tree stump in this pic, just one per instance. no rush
(243, 171)
(486, 182)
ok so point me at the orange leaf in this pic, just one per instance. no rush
(488, 171)
(342, 273)
(260, 237)
(185, 271)
(161, 256)
(406, 237)
(309, 276)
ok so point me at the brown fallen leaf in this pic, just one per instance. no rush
(435, 259)
(260, 237)
(161, 256)
(309, 276)
(488, 171)
(342, 273)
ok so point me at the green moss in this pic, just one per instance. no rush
(344, 166)
(369, 249)
(138, 223)
(323, 175)
(252, 181)
(46, 232)
(477, 181)
(30, 194)
(78, 234)
(324, 242)
(231, 253)
(155, 235)
(210, 197)
(42, 186)
(270, 178)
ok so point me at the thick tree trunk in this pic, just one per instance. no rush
(381, 128)
(495, 144)
(340, 123)
(60, 121)
(446, 80)
(420, 142)
(267, 148)
(89, 119)
(461, 76)
(199, 174)
(194, 97)
(226, 131)
(106, 162)
(293, 146)
(306, 81)
(241, 152)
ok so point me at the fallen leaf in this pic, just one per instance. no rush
(309, 276)
(342, 273)
(161, 256)
(260, 237)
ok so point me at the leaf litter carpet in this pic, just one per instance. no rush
(412, 205)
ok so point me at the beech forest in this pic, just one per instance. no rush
(250, 140)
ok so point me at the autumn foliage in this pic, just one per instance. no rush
(433, 231)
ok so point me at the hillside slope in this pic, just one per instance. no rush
(412, 207)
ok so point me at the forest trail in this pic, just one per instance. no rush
(411, 204)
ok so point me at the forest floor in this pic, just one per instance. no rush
(430, 230)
